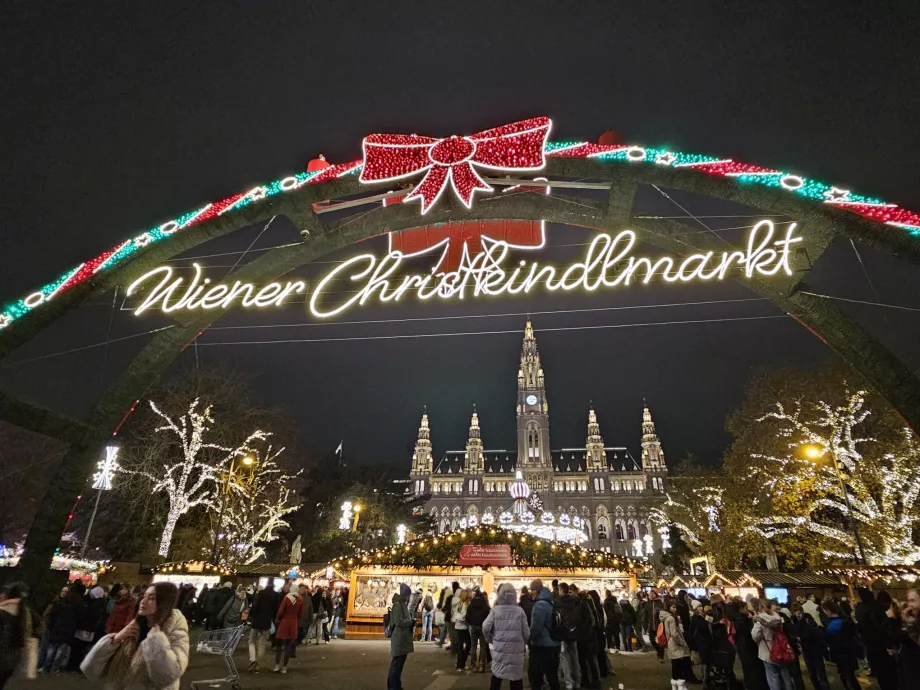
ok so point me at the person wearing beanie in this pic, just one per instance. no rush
(401, 634)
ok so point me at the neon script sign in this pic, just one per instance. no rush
(609, 262)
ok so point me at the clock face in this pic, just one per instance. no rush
(531, 400)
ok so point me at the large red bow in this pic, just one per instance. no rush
(518, 146)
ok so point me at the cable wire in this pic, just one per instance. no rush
(407, 336)
(5, 365)
(861, 301)
(491, 316)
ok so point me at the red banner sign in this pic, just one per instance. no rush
(478, 554)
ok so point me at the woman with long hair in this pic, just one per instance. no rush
(17, 633)
(458, 617)
(150, 652)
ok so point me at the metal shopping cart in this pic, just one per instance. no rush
(222, 642)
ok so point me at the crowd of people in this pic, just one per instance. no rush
(132, 638)
(138, 637)
(562, 631)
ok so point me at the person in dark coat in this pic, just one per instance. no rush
(62, 619)
(683, 612)
(614, 615)
(18, 627)
(401, 644)
(526, 602)
(811, 639)
(755, 677)
(601, 632)
(215, 604)
(871, 622)
(200, 603)
(843, 643)
(700, 635)
(264, 607)
(476, 615)
(587, 639)
(904, 633)
(627, 622)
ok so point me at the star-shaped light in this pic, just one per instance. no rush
(5, 320)
(837, 194)
(142, 240)
(258, 193)
(666, 158)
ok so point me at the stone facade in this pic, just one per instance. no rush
(605, 485)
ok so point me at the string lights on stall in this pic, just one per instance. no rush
(526, 551)
(517, 146)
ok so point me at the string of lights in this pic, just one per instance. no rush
(507, 147)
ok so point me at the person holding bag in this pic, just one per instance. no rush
(150, 652)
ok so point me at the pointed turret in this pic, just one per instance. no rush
(421, 456)
(474, 463)
(652, 453)
(597, 461)
(530, 374)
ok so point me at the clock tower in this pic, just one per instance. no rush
(533, 416)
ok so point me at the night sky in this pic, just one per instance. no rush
(118, 116)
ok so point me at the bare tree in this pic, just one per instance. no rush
(191, 478)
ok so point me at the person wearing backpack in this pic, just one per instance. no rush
(427, 616)
(670, 636)
(544, 642)
(773, 646)
(567, 607)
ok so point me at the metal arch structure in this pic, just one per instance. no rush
(891, 377)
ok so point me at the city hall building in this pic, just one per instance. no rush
(603, 485)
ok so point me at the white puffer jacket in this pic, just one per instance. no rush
(165, 658)
(506, 626)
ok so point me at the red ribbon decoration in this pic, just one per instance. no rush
(518, 146)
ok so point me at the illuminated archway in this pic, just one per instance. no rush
(617, 171)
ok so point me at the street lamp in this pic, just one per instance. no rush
(357, 511)
(813, 451)
(248, 462)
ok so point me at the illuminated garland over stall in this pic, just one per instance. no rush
(454, 159)
(526, 552)
(193, 566)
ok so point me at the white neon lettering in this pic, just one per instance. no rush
(608, 262)
(484, 274)
(217, 297)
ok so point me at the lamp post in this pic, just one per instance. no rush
(357, 511)
(248, 462)
(815, 452)
(102, 481)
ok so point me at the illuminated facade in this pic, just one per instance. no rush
(604, 486)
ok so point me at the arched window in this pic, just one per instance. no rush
(631, 531)
(618, 530)
(602, 529)
(533, 442)
(643, 529)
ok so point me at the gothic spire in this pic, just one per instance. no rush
(474, 459)
(421, 456)
(530, 374)
(652, 453)
(594, 446)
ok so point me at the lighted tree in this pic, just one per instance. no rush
(708, 510)
(255, 506)
(882, 481)
(190, 479)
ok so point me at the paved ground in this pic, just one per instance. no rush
(360, 665)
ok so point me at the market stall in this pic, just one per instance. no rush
(197, 573)
(481, 556)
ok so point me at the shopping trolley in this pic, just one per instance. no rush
(222, 642)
